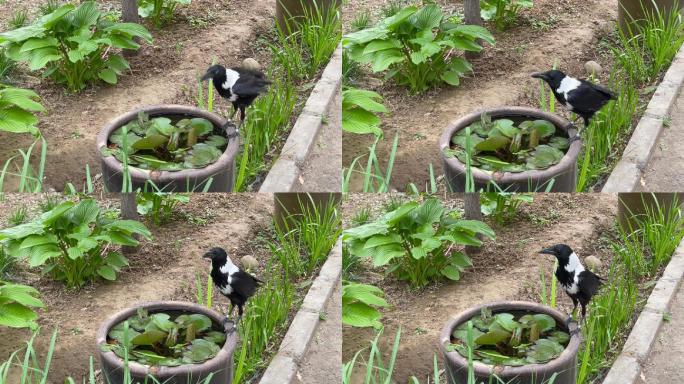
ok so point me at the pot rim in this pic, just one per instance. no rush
(214, 364)
(481, 369)
(568, 160)
(223, 162)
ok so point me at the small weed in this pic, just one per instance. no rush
(323, 316)
(667, 316)
(361, 217)
(49, 7)
(667, 121)
(19, 19)
(361, 21)
(48, 204)
(18, 216)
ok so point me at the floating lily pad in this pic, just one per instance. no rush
(507, 339)
(162, 144)
(500, 145)
(165, 340)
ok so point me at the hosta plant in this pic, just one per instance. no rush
(359, 111)
(166, 145)
(502, 12)
(17, 108)
(418, 242)
(162, 339)
(159, 11)
(158, 206)
(508, 339)
(417, 47)
(503, 206)
(359, 305)
(73, 242)
(75, 45)
(502, 145)
(16, 305)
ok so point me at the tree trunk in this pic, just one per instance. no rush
(129, 14)
(472, 212)
(471, 11)
(129, 211)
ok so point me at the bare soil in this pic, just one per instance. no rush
(507, 268)
(563, 33)
(165, 72)
(162, 269)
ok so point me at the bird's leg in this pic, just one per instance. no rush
(577, 135)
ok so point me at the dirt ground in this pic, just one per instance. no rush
(661, 368)
(507, 268)
(565, 33)
(164, 72)
(662, 173)
(162, 269)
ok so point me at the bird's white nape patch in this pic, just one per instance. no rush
(231, 78)
(229, 269)
(568, 84)
(574, 264)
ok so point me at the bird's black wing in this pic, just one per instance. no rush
(586, 98)
(250, 87)
(605, 91)
(244, 284)
(589, 283)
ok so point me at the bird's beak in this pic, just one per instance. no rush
(548, 251)
(540, 75)
(206, 256)
(206, 77)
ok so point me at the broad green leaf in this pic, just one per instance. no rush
(493, 143)
(364, 293)
(383, 59)
(382, 240)
(15, 315)
(360, 315)
(150, 142)
(493, 337)
(451, 78)
(451, 272)
(108, 75)
(107, 272)
(148, 337)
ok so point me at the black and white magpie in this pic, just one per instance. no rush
(580, 284)
(579, 96)
(234, 283)
(239, 85)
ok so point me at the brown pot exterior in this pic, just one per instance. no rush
(564, 173)
(222, 172)
(564, 365)
(221, 365)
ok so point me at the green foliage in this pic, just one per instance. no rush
(416, 45)
(30, 178)
(359, 109)
(502, 12)
(6, 261)
(350, 69)
(162, 340)
(359, 303)
(417, 241)
(502, 206)
(159, 206)
(159, 11)
(303, 240)
(16, 305)
(361, 20)
(163, 144)
(17, 108)
(72, 242)
(374, 179)
(7, 66)
(73, 45)
(500, 145)
(204, 296)
(377, 371)
(503, 339)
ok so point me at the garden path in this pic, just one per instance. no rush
(663, 172)
(666, 363)
(322, 170)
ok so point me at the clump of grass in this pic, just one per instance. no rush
(30, 178)
(49, 7)
(6, 66)
(19, 19)
(18, 216)
(361, 217)
(48, 204)
(361, 20)
(375, 180)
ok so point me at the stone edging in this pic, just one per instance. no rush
(628, 173)
(627, 367)
(285, 172)
(285, 364)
